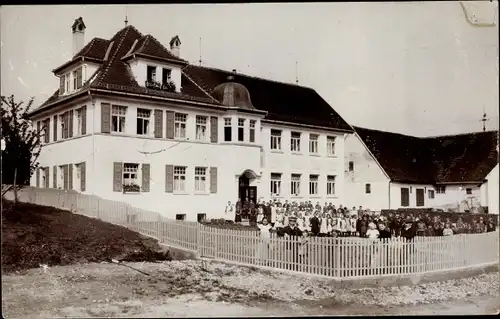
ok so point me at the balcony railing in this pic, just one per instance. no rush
(156, 85)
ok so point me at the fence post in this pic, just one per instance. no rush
(199, 228)
(337, 257)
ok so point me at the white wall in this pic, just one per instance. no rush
(366, 171)
(491, 191)
(139, 70)
(455, 195)
(304, 163)
(396, 195)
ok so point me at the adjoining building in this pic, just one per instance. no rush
(134, 122)
(390, 170)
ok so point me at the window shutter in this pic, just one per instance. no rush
(47, 132)
(38, 127)
(214, 129)
(159, 123)
(38, 177)
(65, 176)
(54, 176)
(169, 178)
(105, 118)
(84, 120)
(82, 176)
(47, 179)
(79, 78)
(145, 177)
(61, 84)
(170, 124)
(117, 176)
(213, 180)
(70, 176)
(70, 120)
(55, 128)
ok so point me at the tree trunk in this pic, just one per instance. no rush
(16, 199)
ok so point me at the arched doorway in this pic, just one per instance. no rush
(245, 191)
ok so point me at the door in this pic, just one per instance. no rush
(252, 193)
(420, 197)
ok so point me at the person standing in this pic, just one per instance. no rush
(315, 224)
(265, 238)
(239, 208)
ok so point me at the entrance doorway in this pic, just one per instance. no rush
(245, 191)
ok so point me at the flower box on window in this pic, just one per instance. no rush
(167, 86)
(131, 188)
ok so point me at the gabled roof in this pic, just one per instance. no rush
(433, 160)
(94, 51)
(283, 102)
(148, 46)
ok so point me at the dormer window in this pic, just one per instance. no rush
(66, 83)
(166, 76)
(77, 78)
(151, 75)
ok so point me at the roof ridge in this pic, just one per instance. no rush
(460, 134)
(198, 86)
(126, 30)
(253, 76)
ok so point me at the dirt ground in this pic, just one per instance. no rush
(198, 289)
(34, 235)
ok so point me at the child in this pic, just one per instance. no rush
(372, 232)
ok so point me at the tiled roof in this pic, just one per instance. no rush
(149, 46)
(95, 49)
(443, 159)
(282, 101)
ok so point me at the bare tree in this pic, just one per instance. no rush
(22, 140)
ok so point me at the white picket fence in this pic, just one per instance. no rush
(332, 257)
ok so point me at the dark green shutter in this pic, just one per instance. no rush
(82, 176)
(213, 180)
(70, 176)
(55, 128)
(117, 176)
(170, 124)
(214, 129)
(169, 178)
(70, 123)
(158, 123)
(37, 177)
(145, 177)
(54, 176)
(47, 130)
(105, 118)
(84, 120)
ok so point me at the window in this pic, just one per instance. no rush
(118, 118)
(295, 185)
(351, 166)
(62, 84)
(330, 185)
(200, 179)
(405, 197)
(275, 184)
(130, 174)
(227, 129)
(440, 189)
(79, 122)
(46, 137)
(61, 127)
(151, 73)
(179, 178)
(330, 145)
(313, 184)
(143, 118)
(295, 142)
(241, 130)
(180, 125)
(313, 143)
(77, 78)
(368, 188)
(201, 128)
(67, 88)
(430, 192)
(252, 131)
(201, 217)
(468, 191)
(60, 182)
(275, 139)
(166, 76)
(180, 216)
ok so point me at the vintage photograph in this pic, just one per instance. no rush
(250, 159)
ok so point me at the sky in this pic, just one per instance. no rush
(417, 68)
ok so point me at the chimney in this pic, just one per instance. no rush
(78, 29)
(234, 70)
(175, 45)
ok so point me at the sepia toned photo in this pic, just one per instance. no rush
(250, 159)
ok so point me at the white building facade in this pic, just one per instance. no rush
(367, 184)
(147, 130)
